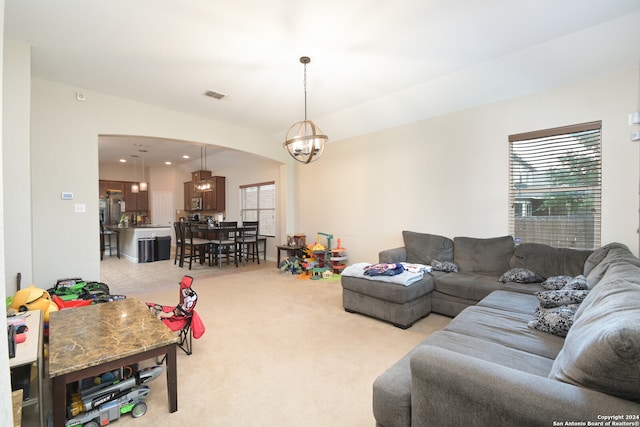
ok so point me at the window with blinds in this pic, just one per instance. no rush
(258, 203)
(555, 186)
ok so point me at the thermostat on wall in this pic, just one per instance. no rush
(66, 196)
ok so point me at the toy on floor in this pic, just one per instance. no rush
(33, 298)
(100, 404)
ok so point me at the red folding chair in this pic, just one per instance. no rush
(182, 318)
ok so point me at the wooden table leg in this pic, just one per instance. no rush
(59, 400)
(172, 378)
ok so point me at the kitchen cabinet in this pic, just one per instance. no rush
(116, 186)
(102, 189)
(135, 201)
(188, 195)
(214, 200)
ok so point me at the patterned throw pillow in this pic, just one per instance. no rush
(520, 275)
(561, 297)
(555, 320)
(577, 283)
(446, 266)
(556, 282)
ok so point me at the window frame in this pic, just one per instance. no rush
(576, 172)
(259, 210)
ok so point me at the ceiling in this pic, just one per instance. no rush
(366, 55)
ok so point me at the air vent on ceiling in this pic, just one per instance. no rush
(214, 94)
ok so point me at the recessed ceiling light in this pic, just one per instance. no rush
(123, 161)
(167, 163)
(185, 156)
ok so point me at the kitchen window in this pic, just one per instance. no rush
(258, 203)
(555, 178)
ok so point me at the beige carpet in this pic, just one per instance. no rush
(277, 351)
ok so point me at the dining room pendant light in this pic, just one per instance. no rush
(304, 140)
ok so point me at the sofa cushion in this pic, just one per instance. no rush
(422, 248)
(602, 348)
(506, 328)
(511, 301)
(469, 286)
(489, 257)
(548, 261)
(521, 275)
(491, 352)
(618, 263)
(598, 255)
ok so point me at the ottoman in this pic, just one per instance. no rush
(397, 304)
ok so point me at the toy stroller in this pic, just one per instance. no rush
(182, 318)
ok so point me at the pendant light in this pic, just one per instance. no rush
(305, 141)
(205, 183)
(135, 188)
(143, 183)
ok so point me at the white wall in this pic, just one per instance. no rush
(17, 168)
(449, 175)
(64, 147)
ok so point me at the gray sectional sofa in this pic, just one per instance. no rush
(489, 366)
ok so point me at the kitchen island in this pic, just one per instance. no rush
(130, 235)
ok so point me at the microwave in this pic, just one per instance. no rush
(196, 203)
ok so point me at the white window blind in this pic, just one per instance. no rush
(555, 186)
(258, 203)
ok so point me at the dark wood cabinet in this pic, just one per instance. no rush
(134, 202)
(214, 200)
(102, 189)
(188, 195)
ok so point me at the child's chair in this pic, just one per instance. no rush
(182, 318)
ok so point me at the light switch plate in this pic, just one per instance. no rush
(80, 208)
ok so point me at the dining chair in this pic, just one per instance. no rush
(225, 242)
(179, 243)
(194, 247)
(247, 240)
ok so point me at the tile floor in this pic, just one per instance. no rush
(125, 277)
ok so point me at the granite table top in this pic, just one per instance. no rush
(92, 335)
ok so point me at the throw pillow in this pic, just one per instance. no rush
(561, 297)
(577, 283)
(555, 320)
(446, 266)
(556, 282)
(521, 275)
(602, 349)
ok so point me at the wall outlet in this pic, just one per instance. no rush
(635, 136)
(634, 118)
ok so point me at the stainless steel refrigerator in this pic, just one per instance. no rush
(111, 209)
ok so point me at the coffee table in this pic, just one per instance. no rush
(87, 341)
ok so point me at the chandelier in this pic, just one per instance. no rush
(305, 141)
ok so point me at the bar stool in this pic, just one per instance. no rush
(105, 235)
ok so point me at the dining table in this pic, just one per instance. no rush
(212, 232)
